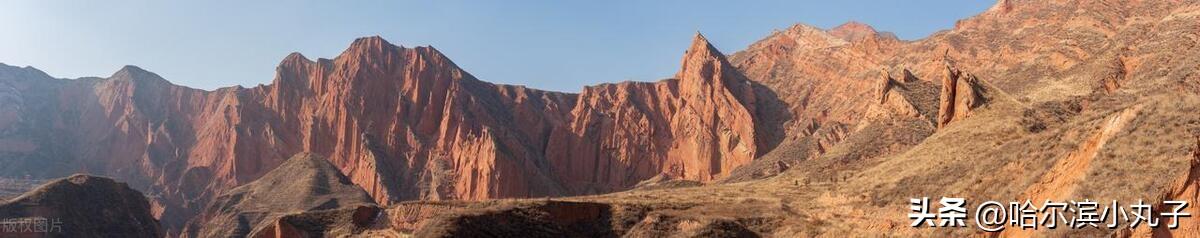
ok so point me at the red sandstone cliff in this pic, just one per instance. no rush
(403, 123)
(698, 125)
(408, 124)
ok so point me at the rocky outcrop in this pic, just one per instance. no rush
(902, 118)
(305, 182)
(1114, 75)
(408, 124)
(854, 31)
(905, 97)
(961, 93)
(699, 126)
(466, 139)
(403, 123)
(80, 206)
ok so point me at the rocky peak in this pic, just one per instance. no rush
(804, 29)
(853, 31)
(701, 46)
(306, 166)
(295, 58)
(293, 68)
(136, 74)
(697, 126)
(703, 64)
(370, 44)
(370, 52)
(369, 63)
(375, 51)
(806, 36)
(705, 71)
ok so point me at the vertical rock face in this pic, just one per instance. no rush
(699, 124)
(390, 116)
(408, 124)
(403, 123)
(960, 94)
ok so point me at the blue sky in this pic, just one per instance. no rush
(555, 45)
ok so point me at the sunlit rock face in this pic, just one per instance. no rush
(696, 126)
(403, 123)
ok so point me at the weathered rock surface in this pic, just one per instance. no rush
(832, 90)
(303, 183)
(1027, 56)
(904, 97)
(407, 124)
(699, 124)
(403, 123)
(853, 31)
(961, 93)
(822, 82)
(80, 206)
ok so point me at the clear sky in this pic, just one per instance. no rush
(556, 45)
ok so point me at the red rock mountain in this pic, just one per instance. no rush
(403, 123)
(1045, 99)
(700, 124)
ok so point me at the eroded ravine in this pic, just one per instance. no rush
(1061, 181)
